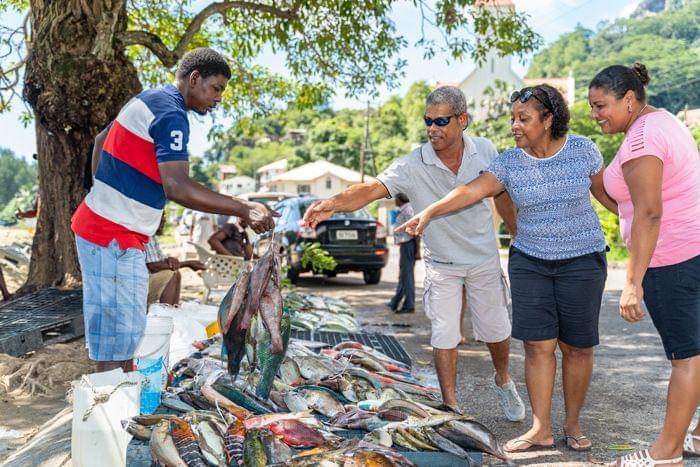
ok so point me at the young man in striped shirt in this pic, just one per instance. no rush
(139, 162)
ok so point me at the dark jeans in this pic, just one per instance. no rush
(406, 288)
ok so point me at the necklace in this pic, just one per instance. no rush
(636, 117)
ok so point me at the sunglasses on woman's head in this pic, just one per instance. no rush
(525, 95)
(439, 121)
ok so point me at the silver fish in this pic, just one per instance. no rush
(210, 443)
(163, 448)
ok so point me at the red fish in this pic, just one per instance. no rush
(297, 434)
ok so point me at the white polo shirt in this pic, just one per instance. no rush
(465, 237)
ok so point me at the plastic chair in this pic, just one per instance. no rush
(222, 270)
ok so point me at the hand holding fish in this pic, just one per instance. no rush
(259, 217)
(319, 211)
(416, 224)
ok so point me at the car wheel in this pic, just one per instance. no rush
(372, 277)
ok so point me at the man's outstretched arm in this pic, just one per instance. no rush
(179, 187)
(351, 199)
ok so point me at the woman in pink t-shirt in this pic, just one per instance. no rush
(655, 180)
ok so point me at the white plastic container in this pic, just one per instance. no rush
(151, 361)
(100, 402)
(189, 324)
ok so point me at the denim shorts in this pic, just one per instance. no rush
(115, 288)
(672, 296)
(557, 299)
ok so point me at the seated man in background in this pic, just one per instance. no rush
(231, 240)
(164, 273)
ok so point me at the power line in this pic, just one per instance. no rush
(544, 21)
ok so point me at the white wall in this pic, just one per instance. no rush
(236, 185)
(473, 87)
(317, 187)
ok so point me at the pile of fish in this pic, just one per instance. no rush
(295, 402)
(316, 313)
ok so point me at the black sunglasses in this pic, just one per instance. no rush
(439, 121)
(525, 95)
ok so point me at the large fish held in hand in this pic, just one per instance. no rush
(233, 301)
(271, 307)
(229, 317)
(259, 278)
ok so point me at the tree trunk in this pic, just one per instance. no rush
(76, 81)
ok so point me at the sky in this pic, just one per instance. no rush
(550, 18)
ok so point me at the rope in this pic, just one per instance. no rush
(101, 397)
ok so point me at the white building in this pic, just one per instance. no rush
(494, 67)
(267, 172)
(234, 186)
(320, 178)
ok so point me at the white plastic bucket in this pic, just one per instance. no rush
(151, 361)
(100, 402)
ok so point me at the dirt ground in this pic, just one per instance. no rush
(625, 403)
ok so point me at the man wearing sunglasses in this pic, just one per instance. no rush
(460, 249)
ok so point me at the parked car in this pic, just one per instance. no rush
(355, 240)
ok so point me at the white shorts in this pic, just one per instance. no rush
(487, 296)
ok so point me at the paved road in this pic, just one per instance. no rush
(628, 389)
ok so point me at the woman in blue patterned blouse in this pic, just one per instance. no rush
(557, 263)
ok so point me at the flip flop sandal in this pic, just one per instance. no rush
(644, 459)
(689, 446)
(578, 440)
(532, 445)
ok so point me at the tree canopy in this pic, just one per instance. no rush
(15, 173)
(668, 43)
(336, 136)
(326, 45)
(80, 61)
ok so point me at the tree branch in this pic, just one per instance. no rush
(152, 42)
(170, 57)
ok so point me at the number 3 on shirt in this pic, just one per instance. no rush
(176, 145)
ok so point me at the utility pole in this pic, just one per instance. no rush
(364, 146)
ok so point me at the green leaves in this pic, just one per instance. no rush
(326, 45)
(319, 258)
(667, 43)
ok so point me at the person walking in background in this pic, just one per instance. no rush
(557, 265)
(460, 249)
(655, 180)
(403, 300)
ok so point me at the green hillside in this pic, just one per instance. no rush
(668, 43)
